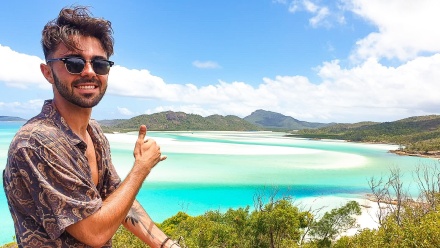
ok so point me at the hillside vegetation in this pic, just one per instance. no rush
(179, 121)
(419, 135)
(272, 120)
(276, 223)
(11, 118)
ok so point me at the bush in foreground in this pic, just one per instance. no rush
(277, 223)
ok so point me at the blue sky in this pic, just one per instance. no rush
(314, 60)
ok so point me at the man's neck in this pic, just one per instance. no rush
(77, 118)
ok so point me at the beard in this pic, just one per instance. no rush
(83, 101)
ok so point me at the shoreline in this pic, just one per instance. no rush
(427, 154)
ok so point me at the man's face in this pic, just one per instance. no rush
(86, 89)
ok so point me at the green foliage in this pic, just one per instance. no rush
(10, 245)
(277, 221)
(213, 229)
(171, 225)
(274, 224)
(179, 121)
(334, 222)
(276, 121)
(125, 239)
(417, 134)
(410, 223)
(413, 232)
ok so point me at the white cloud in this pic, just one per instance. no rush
(22, 109)
(405, 29)
(322, 15)
(140, 83)
(125, 111)
(369, 91)
(280, 1)
(21, 70)
(310, 6)
(206, 64)
(191, 108)
(319, 17)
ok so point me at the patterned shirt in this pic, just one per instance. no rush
(48, 181)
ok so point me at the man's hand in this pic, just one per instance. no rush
(98, 228)
(146, 151)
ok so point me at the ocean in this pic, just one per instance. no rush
(222, 170)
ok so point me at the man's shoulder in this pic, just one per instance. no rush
(94, 123)
(38, 125)
(96, 126)
(33, 130)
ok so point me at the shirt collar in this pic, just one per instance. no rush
(50, 111)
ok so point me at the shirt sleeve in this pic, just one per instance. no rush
(57, 194)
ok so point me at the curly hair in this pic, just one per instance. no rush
(76, 21)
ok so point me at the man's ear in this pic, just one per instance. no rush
(47, 72)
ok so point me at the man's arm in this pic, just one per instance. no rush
(99, 227)
(140, 224)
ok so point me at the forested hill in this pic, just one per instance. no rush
(11, 118)
(417, 134)
(179, 121)
(271, 120)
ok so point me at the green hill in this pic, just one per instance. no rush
(11, 118)
(272, 120)
(419, 134)
(179, 121)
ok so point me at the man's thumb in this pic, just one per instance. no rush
(142, 132)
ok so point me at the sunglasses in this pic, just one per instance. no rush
(75, 65)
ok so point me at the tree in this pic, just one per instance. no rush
(335, 222)
(411, 223)
(389, 195)
(277, 223)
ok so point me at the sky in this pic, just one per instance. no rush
(322, 61)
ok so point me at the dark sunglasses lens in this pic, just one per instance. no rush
(101, 67)
(74, 65)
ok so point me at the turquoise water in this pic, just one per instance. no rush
(221, 170)
(7, 131)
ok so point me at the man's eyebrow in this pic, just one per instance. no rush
(72, 55)
(99, 57)
(75, 55)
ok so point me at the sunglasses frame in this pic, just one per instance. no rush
(65, 60)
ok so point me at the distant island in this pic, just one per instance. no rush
(11, 118)
(179, 121)
(276, 121)
(416, 136)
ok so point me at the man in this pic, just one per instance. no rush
(61, 186)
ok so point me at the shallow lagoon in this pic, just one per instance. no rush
(220, 170)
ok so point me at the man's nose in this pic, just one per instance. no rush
(88, 68)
